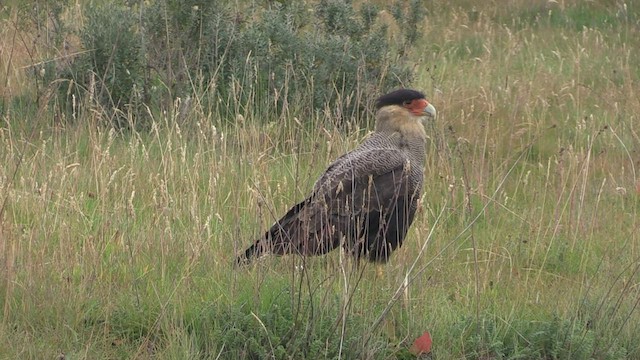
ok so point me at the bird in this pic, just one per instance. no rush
(366, 199)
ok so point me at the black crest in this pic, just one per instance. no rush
(398, 97)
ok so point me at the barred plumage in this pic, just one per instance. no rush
(366, 200)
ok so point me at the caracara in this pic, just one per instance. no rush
(367, 198)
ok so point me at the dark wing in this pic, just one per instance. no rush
(385, 227)
(358, 191)
(373, 195)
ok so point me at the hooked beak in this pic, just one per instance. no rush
(430, 111)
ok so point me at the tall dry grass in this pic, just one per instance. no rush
(120, 245)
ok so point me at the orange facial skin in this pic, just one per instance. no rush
(417, 106)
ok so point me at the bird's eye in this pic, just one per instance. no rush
(406, 102)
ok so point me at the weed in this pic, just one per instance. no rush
(120, 244)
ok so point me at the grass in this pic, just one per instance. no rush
(121, 245)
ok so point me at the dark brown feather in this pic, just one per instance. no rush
(366, 200)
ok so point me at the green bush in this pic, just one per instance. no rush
(555, 338)
(262, 61)
(110, 72)
(279, 328)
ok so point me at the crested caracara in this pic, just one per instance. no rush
(367, 198)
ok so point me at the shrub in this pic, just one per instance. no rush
(261, 61)
(110, 71)
(279, 328)
(553, 338)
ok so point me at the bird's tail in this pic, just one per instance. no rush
(277, 240)
(248, 255)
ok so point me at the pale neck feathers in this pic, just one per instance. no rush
(395, 118)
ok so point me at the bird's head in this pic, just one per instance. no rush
(412, 100)
(400, 107)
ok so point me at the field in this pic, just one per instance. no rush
(527, 245)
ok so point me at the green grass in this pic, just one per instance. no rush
(121, 245)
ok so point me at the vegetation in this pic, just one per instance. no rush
(249, 58)
(117, 241)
